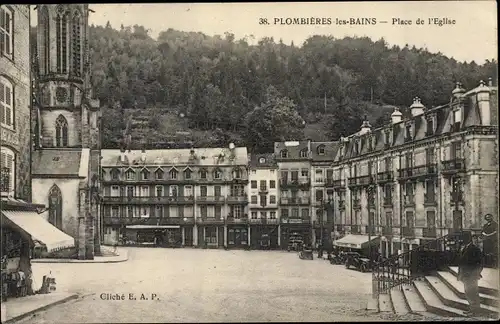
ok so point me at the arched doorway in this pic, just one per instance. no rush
(55, 207)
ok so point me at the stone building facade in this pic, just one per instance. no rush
(66, 157)
(184, 197)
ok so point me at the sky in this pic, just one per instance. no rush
(472, 37)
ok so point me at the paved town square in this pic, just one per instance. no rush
(195, 285)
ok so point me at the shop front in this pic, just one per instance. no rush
(21, 228)
(211, 236)
(288, 230)
(264, 237)
(154, 235)
(237, 236)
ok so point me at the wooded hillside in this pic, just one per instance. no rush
(188, 86)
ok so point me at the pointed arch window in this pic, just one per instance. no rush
(61, 131)
(62, 42)
(76, 44)
(44, 18)
(55, 207)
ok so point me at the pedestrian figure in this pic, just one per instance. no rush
(490, 241)
(469, 272)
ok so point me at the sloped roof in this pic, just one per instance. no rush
(330, 150)
(269, 158)
(56, 162)
(201, 156)
(292, 149)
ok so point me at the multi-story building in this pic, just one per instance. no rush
(263, 197)
(322, 190)
(20, 219)
(294, 163)
(65, 160)
(190, 197)
(421, 177)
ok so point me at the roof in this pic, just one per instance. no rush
(324, 151)
(269, 161)
(293, 148)
(67, 162)
(198, 156)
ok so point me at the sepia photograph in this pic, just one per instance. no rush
(249, 162)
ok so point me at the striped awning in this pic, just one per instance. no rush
(355, 241)
(39, 229)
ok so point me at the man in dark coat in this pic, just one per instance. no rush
(469, 272)
(490, 241)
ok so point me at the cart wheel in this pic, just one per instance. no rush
(363, 268)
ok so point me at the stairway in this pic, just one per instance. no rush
(441, 294)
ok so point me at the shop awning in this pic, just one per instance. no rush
(39, 229)
(151, 226)
(356, 241)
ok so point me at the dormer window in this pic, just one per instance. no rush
(130, 174)
(341, 152)
(284, 154)
(159, 174)
(430, 125)
(144, 174)
(457, 120)
(356, 147)
(408, 132)
(262, 160)
(218, 174)
(236, 174)
(188, 174)
(203, 174)
(321, 150)
(173, 174)
(115, 174)
(387, 138)
(370, 143)
(303, 153)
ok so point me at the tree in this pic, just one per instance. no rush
(274, 120)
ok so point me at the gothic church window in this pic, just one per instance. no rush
(76, 43)
(61, 131)
(62, 42)
(44, 17)
(55, 207)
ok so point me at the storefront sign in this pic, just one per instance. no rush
(295, 221)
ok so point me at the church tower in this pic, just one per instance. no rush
(67, 121)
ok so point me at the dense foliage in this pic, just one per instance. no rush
(255, 94)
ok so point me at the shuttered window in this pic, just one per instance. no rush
(7, 179)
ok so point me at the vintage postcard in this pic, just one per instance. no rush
(249, 162)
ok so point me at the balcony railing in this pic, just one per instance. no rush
(338, 184)
(429, 232)
(341, 204)
(295, 201)
(361, 181)
(148, 200)
(408, 232)
(233, 220)
(209, 220)
(453, 166)
(295, 183)
(384, 177)
(422, 171)
(356, 203)
(237, 199)
(371, 229)
(388, 201)
(329, 182)
(290, 220)
(263, 190)
(386, 230)
(114, 220)
(210, 199)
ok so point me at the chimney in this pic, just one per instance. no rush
(396, 116)
(232, 150)
(458, 91)
(143, 155)
(483, 102)
(416, 107)
(365, 127)
(122, 155)
(490, 82)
